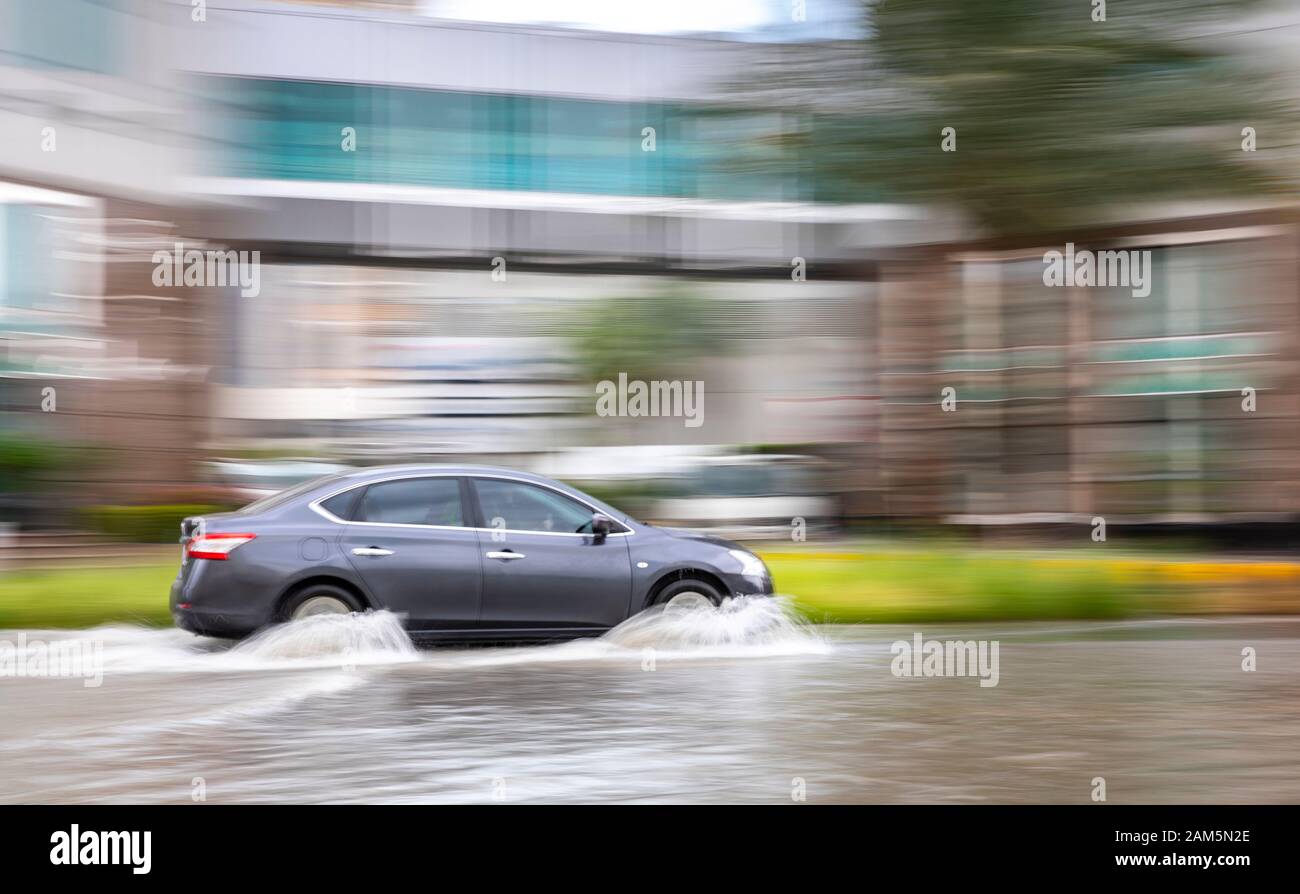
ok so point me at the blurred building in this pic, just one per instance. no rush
(1071, 403)
(387, 167)
(97, 133)
(439, 206)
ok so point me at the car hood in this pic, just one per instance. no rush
(689, 534)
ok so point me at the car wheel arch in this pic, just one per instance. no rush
(688, 573)
(332, 580)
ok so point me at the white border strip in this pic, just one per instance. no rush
(526, 200)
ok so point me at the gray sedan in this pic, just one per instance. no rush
(459, 552)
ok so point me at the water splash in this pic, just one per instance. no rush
(321, 641)
(746, 625)
(370, 638)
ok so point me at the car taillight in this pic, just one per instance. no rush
(215, 546)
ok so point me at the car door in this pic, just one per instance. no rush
(538, 572)
(410, 542)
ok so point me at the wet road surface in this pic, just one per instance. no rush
(739, 706)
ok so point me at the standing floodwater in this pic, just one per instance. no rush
(740, 704)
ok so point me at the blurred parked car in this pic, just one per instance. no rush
(254, 479)
(749, 496)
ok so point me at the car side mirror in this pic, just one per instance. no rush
(601, 525)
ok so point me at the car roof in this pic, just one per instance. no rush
(371, 473)
(332, 484)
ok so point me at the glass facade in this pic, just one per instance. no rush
(67, 34)
(283, 129)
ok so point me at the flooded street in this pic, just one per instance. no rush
(742, 706)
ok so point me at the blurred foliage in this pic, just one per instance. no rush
(144, 524)
(1057, 117)
(634, 497)
(647, 337)
(25, 461)
(793, 448)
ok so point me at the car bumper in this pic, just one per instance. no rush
(210, 621)
(747, 585)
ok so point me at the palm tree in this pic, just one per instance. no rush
(1055, 118)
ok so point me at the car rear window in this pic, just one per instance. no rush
(413, 501)
(341, 505)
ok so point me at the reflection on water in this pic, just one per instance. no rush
(734, 704)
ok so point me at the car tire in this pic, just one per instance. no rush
(679, 594)
(320, 599)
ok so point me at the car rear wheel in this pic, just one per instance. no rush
(689, 595)
(320, 600)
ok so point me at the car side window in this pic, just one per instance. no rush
(341, 505)
(526, 507)
(413, 501)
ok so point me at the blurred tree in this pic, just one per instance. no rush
(25, 461)
(648, 337)
(28, 469)
(1055, 117)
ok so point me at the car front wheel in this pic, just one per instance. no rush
(688, 595)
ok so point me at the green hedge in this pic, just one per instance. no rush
(145, 524)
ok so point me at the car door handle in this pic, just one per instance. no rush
(371, 551)
(505, 555)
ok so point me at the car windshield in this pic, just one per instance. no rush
(273, 501)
